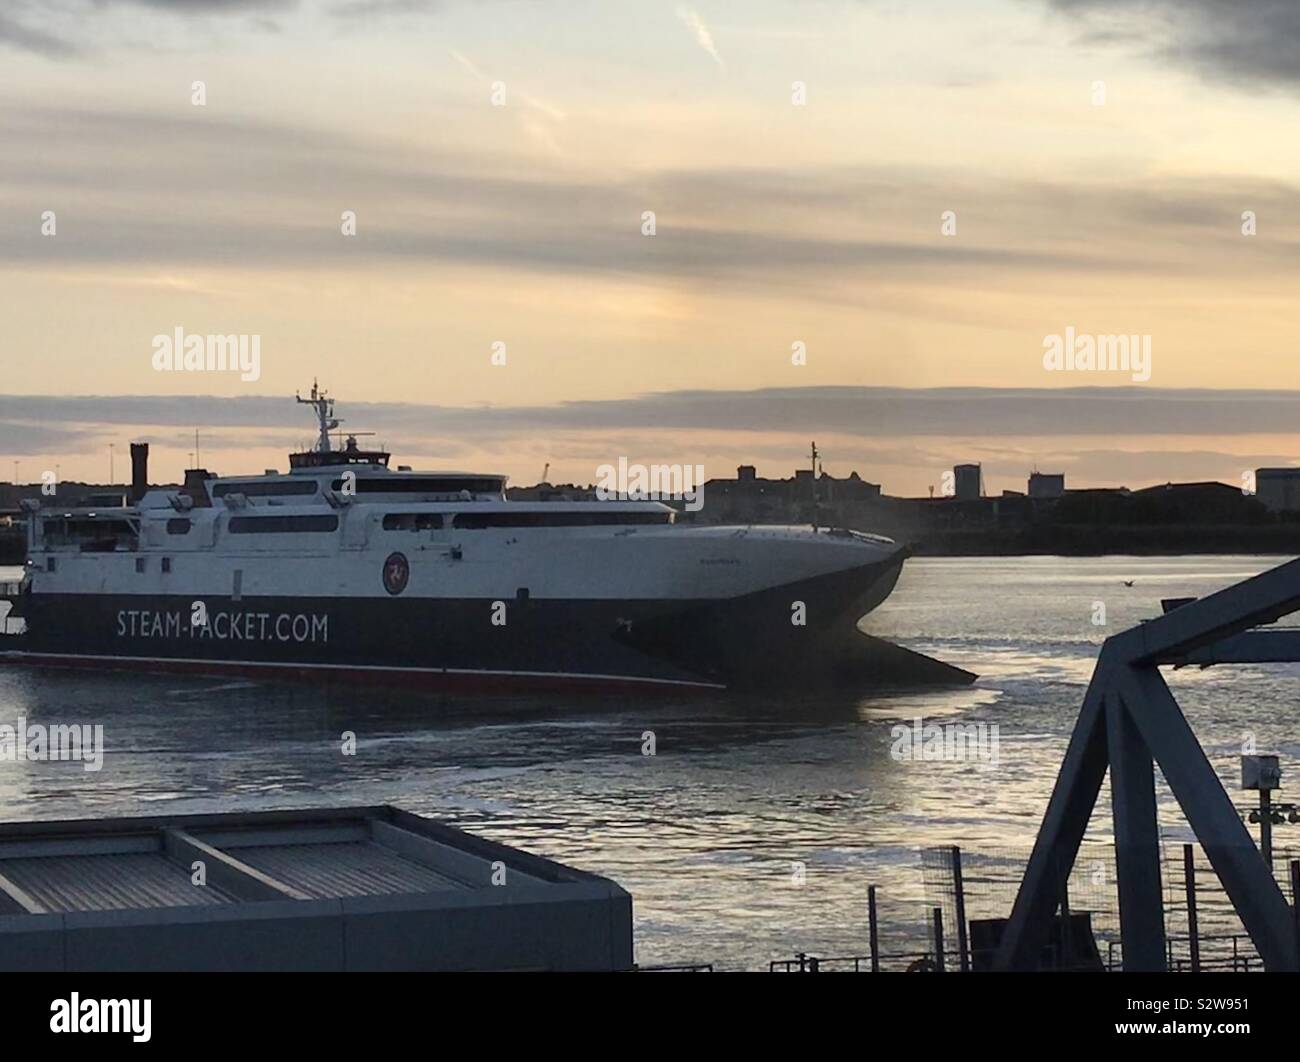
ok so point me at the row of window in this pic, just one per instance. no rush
(279, 525)
(275, 488)
(362, 485)
(141, 564)
(441, 485)
(327, 522)
(477, 521)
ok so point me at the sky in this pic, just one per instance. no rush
(870, 219)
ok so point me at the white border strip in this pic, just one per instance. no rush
(19, 654)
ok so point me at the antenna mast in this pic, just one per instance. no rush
(815, 457)
(324, 408)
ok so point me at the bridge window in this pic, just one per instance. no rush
(413, 521)
(279, 525)
(572, 518)
(439, 485)
(257, 489)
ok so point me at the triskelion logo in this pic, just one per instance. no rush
(397, 573)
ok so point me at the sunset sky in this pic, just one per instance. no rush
(1098, 157)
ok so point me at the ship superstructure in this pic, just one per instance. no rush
(346, 567)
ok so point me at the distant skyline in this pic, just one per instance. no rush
(913, 197)
(903, 438)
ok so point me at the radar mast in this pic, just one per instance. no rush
(324, 408)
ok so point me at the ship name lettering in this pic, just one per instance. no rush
(226, 626)
(144, 623)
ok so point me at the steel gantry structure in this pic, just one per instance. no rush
(1129, 722)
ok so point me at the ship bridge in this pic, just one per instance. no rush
(331, 482)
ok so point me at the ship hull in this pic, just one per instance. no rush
(448, 643)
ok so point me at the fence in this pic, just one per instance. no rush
(967, 894)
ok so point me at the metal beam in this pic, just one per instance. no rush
(1146, 723)
(1245, 876)
(1066, 819)
(1249, 647)
(16, 900)
(452, 864)
(225, 871)
(1261, 599)
(1137, 841)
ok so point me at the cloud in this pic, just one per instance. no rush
(78, 17)
(222, 191)
(379, 8)
(897, 436)
(692, 21)
(213, 7)
(1245, 41)
(14, 34)
(20, 439)
(880, 413)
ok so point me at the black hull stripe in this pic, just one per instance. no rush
(675, 644)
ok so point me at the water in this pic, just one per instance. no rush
(708, 833)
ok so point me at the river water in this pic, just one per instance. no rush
(757, 825)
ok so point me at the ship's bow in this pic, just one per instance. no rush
(799, 632)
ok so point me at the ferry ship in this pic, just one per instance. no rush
(345, 568)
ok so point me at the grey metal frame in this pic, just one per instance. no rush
(1130, 720)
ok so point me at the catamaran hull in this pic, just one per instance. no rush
(463, 643)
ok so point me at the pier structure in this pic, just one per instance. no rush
(312, 889)
(1129, 722)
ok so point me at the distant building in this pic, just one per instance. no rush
(1194, 503)
(1046, 485)
(966, 482)
(1278, 488)
(552, 492)
(750, 498)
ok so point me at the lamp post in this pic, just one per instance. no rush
(1264, 774)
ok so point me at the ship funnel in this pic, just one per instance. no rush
(196, 487)
(139, 471)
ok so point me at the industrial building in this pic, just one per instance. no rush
(968, 482)
(750, 498)
(1046, 485)
(357, 888)
(1278, 489)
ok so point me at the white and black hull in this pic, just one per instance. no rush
(457, 642)
(344, 568)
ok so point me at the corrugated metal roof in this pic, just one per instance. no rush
(360, 868)
(400, 887)
(108, 882)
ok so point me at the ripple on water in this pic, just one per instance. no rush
(756, 827)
